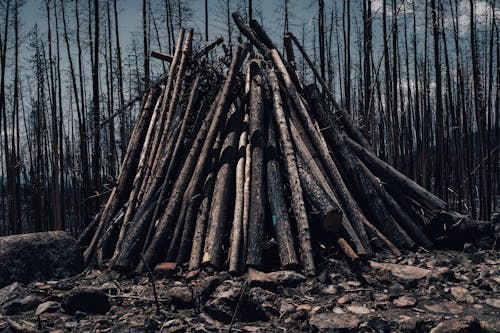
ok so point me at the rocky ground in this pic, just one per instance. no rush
(441, 291)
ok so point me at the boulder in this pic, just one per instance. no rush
(39, 257)
(88, 300)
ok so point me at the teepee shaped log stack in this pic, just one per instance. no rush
(250, 168)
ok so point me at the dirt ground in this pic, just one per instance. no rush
(440, 291)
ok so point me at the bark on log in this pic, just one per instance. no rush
(201, 223)
(277, 201)
(350, 206)
(293, 176)
(138, 234)
(390, 175)
(207, 48)
(127, 172)
(345, 118)
(305, 151)
(364, 187)
(397, 212)
(158, 243)
(162, 56)
(257, 217)
(223, 192)
(324, 209)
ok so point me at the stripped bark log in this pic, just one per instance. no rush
(223, 192)
(235, 249)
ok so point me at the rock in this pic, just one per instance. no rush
(462, 295)
(11, 293)
(379, 325)
(493, 302)
(445, 307)
(181, 296)
(207, 287)
(286, 308)
(88, 300)
(174, 326)
(467, 324)
(50, 306)
(274, 279)
(39, 256)
(359, 309)
(266, 300)
(223, 302)
(405, 301)
(329, 290)
(21, 305)
(330, 322)
(405, 272)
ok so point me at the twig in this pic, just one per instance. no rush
(153, 282)
(235, 313)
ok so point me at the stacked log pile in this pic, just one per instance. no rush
(251, 168)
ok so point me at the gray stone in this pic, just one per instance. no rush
(181, 296)
(88, 300)
(39, 257)
(333, 323)
(20, 305)
(222, 304)
(467, 324)
(275, 279)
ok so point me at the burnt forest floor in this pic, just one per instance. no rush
(440, 291)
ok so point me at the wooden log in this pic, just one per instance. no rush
(306, 153)
(127, 171)
(345, 118)
(287, 41)
(235, 249)
(160, 130)
(297, 200)
(208, 47)
(201, 223)
(277, 201)
(142, 229)
(246, 199)
(324, 209)
(298, 107)
(397, 212)
(248, 33)
(132, 200)
(186, 55)
(181, 194)
(390, 175)
(347, 249)
(162, 56)
(257, 217)
(224, 190)
(262, 35)
(364, 187)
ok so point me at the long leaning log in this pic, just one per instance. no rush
(297, 200)
(277, 201)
